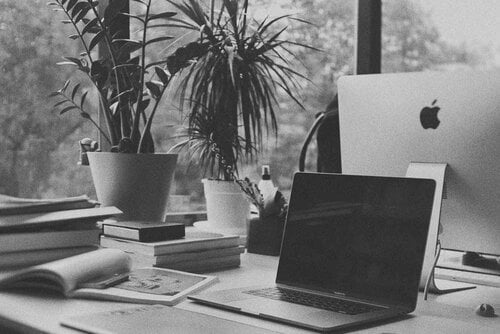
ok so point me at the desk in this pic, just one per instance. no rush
(39, 312)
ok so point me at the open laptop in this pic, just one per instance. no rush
(352, 253)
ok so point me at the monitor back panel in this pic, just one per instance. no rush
(390, 120)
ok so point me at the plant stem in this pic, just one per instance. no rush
(147, 128)
(135, 128)
(113, 60)
(102, 102)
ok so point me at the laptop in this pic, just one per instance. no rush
(352, 253)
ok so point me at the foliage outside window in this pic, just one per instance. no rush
(38, 148)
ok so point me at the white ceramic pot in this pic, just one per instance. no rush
(227, 208)
(138, 184)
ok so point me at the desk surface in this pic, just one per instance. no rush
(38, 312)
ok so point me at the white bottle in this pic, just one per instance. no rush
(266, 185)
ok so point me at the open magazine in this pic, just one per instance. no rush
(106, 274)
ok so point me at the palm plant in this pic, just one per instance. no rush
(126, 84)
(230, 90)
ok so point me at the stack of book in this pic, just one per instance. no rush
(39, 231)
(196, 252)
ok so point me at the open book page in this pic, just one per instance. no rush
(10, 200)
(66, 274)
(151, 286)
(15, 205)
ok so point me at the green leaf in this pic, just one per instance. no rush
(74, 60)
(96, 39)
(66, 84)
(82, 14)
(164, 15)
(61, 63)
(70, 4)
(156, 63)
(85, 115)
(170, 25)
(78, 7)
(128, 48)
(53, 94)
(75, 90)
(141, 2)
(143, 105)
(67, 109)
(91, 26)
(113, 9)
(60, 103)
(133, 17)
(82, 101)
(126, 66)
(128, 40)
(163, 75)
(74, 36)
(158, 39)
(154, 90)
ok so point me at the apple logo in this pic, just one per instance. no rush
(428, 116)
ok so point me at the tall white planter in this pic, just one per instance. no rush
(227, 208)
(137, 184)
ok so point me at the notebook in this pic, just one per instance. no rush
(156, 319)
(352, 253)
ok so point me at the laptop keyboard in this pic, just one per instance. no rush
(316, 301)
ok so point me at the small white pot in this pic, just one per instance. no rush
(227, 208)
(137, 184)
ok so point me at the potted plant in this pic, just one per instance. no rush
(230, 95)
(128, 89)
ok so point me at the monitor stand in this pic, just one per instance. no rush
(428, 283)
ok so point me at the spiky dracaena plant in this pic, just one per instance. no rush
(129, 87)
(230, 90)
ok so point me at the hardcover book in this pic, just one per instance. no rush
(207, 265)
(34, 221)
(106, 274)
(28, 241)
(14, 205)
(176, 258)
(194, 240)
(23, 259)
(141, 231)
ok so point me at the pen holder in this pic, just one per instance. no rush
(264, 235)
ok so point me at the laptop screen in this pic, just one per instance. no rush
(363, 236)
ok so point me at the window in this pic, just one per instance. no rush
(38, 147)
(422, 35)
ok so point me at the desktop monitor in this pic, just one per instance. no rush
(390, 120)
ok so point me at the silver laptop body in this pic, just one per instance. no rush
(348, 239)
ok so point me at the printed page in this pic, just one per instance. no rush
(151, 286)
(67, 273)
